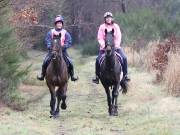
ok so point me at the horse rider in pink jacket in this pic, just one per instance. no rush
(109, 25)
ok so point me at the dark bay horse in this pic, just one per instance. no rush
(57, 78)
(111, 75)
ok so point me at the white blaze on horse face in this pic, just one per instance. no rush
(108, 48)
(55, 41)
(55, 44)
(121, 76)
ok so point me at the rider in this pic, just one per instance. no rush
(66, 42)
(109, 25)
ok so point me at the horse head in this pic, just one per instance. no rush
(56, 49)
(109, 42)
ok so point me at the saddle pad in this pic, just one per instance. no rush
(103, 57)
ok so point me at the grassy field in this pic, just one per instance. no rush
(145, 110)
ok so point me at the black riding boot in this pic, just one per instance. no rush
(127, 78)
(96, 79)
(44, 66)
(43, 72)
(70, 66)
(71, 72)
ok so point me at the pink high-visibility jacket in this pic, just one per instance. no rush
(101, 34)
(63, 32)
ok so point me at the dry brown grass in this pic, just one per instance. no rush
(161, 58)
(141, 57)
(133, 56)
(172, 74)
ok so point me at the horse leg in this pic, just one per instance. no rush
(58, 95)
(109, 100)
(63, 97)
(63, 105)
(53, 99)
(113, 99)
(115, 94)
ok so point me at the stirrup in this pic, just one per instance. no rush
(127, 78)
(41, 78)
(74, 78)
(96, 80)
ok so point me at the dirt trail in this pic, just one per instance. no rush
(145, 110)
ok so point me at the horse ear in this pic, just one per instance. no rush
(106, 31)
(59, 35)
(113, 31)
(55, 36)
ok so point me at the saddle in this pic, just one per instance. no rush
(101, 60)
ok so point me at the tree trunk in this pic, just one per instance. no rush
(123, 5)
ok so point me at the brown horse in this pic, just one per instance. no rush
(57, 78)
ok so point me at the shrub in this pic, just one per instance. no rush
(161, 58)
(89, 48)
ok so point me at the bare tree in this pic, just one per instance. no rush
(87, 15)
(124, 6)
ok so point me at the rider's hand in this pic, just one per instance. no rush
(56, 33)
(116, 49)
(103, 46)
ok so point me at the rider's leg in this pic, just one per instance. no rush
(125, 64)
(97, 68)
(70, 66)
(44, 66)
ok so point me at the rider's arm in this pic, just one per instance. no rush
(68, 40)
(118, 36)
(100, 37)
(48, 40)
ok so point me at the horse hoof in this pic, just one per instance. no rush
(56, 115)
(115, 114)
(110, 113)
(63, 106)
(53, 116)
(52, 112)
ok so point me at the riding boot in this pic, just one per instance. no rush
(124, 66)
(44, 67)
(43, 72)
(71, 72)
(96, 79)
(124, 63)
(126, 77)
